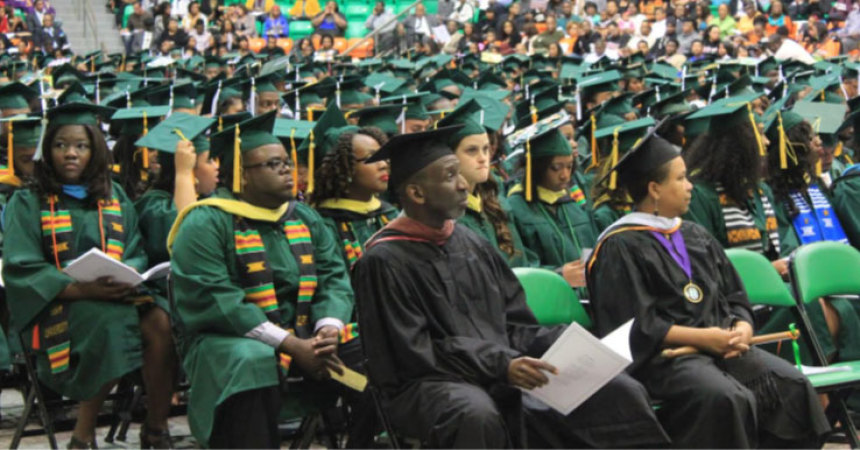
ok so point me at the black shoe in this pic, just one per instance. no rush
(74, 443)
(154, 438)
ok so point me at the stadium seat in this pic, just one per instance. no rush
(364, 50)
(811, 280)
(256, 44)
(340, 44)
(300, 29)
(432, 6)
(550, 298)
(358, 11)
(286, 44)
(315, 40)
(355, 29)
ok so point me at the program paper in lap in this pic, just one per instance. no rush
(585, 364)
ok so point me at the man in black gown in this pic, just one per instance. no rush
(449, 336)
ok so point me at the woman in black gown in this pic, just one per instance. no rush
(681, 290)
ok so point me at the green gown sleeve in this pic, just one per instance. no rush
(27, 273)
(156, 213)
(207, 299)
(846, 204)
(134, 253)
(604, 216)
(333, 297)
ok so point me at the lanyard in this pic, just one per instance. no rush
(551, 220)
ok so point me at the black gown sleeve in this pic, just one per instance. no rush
(619, 291)
(731, 286)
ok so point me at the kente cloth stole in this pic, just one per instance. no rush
(351, 246)
(257, 279)
(745, 223)
(818, 223)
(53, 331)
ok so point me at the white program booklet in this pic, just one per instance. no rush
(584, 363)
(95, 264)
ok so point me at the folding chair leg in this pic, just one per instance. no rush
(307, 431)
(845, 418)
(34, 395)
(386, 424)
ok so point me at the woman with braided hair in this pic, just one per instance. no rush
(804, 215)
(347, 190)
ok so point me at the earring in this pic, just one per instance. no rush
(656, 207)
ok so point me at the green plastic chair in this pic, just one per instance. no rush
(357, 11)
(764, 286)
(825, 269)
(432, 6)
(300, 29)
(355, 29)
(550, 298)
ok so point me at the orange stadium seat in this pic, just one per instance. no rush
(362, 51)
(256, 44)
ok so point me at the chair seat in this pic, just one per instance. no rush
(839, 379)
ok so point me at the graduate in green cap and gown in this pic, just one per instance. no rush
(488, 213)
(726, 394)
(449, 337)
(347, 188)
(86, 335)
(261, 288)
(19, 150)
(846, 202)
(549, 209)
(137, 166)
(805, 215)
(188, 172)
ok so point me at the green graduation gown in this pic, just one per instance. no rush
(605, 215)
(352, 227)
(156, 212)
(557, 233)
(105, 335)
(220, 360)
(846, 203)
(8, 347)
(477, 221)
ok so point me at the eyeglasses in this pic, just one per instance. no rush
(272, 164)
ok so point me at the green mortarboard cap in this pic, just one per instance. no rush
(383, 117)
(16, 95)
(224, 89)
(66, 74)
(628, 134)
(643, 159)
(491, 81)
(383, 83)
(292, 132)
(665, 71)
(601, 82)
(468, 115)
(252, 133)
(74, 93)
(723, 115)
(740, 86)
(26, 130)
(409, 153)
(259, 84)
(184, 95)
(548, 141)
(325, 134)
(191, 74)
(130, 120)
(825, 118)
(214, 61)
(78, 114)
(412, 105)
(671, 105)
(619, 105)
(165, 136)
(470, 93)
(129, 99)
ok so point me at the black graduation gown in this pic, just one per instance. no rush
(757, 399)
(440, 326)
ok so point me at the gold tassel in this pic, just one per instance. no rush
(783, 160)
(534, 113)
(10, 149)
(528, 171)
(594, 149)
(294, 156)
(822, 96)
(838, 151)
(310, 115)
(613, 177)
(237, 162)
(761, 149)
(818, 168)
(220, 123)
(144, 174)
(122, 65)
(311, 149)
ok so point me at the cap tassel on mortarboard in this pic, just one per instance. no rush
(144, 151)
(761, 149)
(786, 149)
(9, 149)
(237, 161)
(214, 107)
(528, 170)
(294, 156)
(613, 177)
(252, 99)
(311, 150)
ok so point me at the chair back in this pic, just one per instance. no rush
(825, 269)
(550, 298)
(761, 281)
